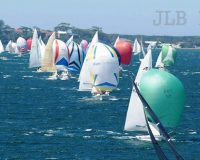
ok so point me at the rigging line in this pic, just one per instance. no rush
(160, 126)
(161, 155)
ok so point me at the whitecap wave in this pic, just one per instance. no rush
(4, 58)
(88, 130)
(7, 76)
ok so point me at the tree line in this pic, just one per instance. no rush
(9, 33)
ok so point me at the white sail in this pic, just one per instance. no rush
(135, 120)
(8, 46)
(42, 47)
(48, 62)
(117, 40)
(11, 47)
(146, 64)
(95, 39)
(84, 77)
(159, 63)
(149, 47)
(84, 82)
(1, 47)
(136, 47)
(35, 53)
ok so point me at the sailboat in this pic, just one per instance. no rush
(135, 119)
(136, 47)
(35, 52)
(48, 62)
(11, 47)
(166, 57)
(156, 128)
(61, 53)
(159, 63)
(104, 69)
(1, 47)
(84, 77)
(77, 55)
(21, 46)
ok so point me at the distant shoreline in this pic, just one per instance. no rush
(184, 48)
(188, 48)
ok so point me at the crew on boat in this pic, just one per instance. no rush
(97, 92)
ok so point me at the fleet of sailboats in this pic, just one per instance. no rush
(99, 67)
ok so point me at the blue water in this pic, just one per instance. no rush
(46, 119)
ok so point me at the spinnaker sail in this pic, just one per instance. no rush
(84, 77)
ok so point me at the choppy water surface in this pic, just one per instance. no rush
(46, 119)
